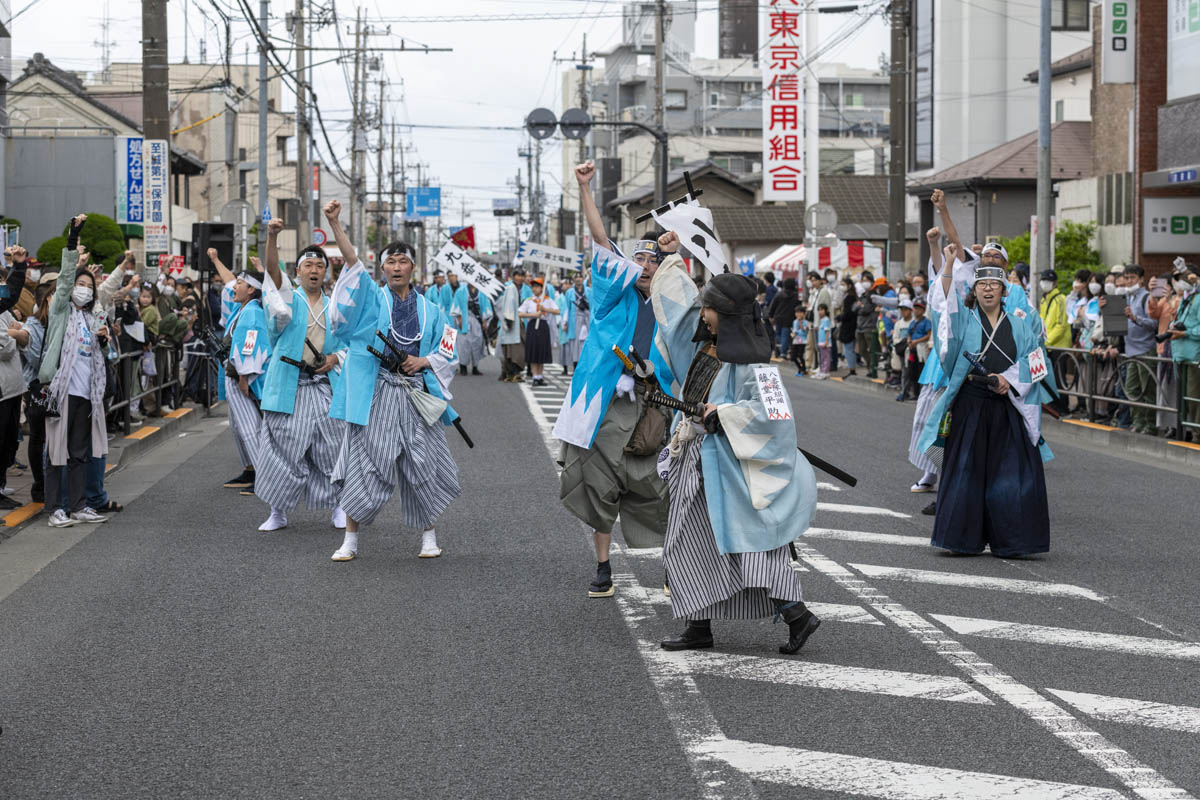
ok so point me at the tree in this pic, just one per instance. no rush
(1072, 251)
(100, 235)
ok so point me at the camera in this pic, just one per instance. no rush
(1175, 326)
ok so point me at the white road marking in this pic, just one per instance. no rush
(847, 509)
(1143, 780)
(867, 536)
(978, 582)
(689, 713)
(829, 676)
(1133, 712)
(828, 612)
(895, 780)
(829, 487)
(1069, 637)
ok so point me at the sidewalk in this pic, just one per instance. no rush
(122, 450)
(1081, 432)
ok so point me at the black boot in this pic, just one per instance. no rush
(801, 624)
(696, 636)
(602, 585)
(565, 371)
(475, 371)
(462, 369)
(241, 481)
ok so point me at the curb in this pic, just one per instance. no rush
(122, 450)
(1074, 431)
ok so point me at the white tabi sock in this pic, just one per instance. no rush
(276, 521)
(929, 479)
(351, 541)
(429, 545)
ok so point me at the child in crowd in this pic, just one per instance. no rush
(824, 338)
(799, 339)
(900, 342)
(920, 333)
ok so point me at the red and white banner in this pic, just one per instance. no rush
(790, 260)
(782, 60)
(174, 265)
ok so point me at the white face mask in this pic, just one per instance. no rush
(861, 287)
(168, 290)
(1094, 288)
(82, 295)
(33, 275)
(1046, 285)
(1119, 290)
(1182, 286)
(905, 294)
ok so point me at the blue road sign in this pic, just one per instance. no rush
(424, 201)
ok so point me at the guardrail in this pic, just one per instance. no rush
(1093, 379)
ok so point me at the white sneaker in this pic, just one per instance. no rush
(339, 518)
(86, 514)
(429, 547)
(8, 491)
(166, 410)
(59, 519)
(277, 521)
(344, 553)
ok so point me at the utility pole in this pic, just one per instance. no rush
(303, 229)
(355, 122)
(812, 123)
(380, 229)
(897, 131)
(155, 110)
(661, 157)
(584, 72)
(263, 181)
(537, 221)
(1044, 257)
(392, 184)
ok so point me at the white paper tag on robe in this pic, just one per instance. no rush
(664, 463)
(251, 340)
(774, 396)
(446, 346)
(1037, 365)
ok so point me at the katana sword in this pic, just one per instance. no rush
(656, 396)
(457, 422)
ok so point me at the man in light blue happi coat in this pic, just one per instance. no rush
(395, 407)
(298, 441)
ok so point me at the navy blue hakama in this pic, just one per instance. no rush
(993, 489)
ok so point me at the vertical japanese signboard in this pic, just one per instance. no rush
(129, 183)
(781, 61)
(157, 223)
(1117, 40)
(1183, 48)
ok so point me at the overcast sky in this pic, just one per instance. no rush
(500, 70)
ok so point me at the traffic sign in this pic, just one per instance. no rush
(820, 220)
(319, 237)
(424, 201)
(541, 123)
(266, 214)
(504, 207)
(575, 123)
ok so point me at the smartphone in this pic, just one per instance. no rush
(1158, 287)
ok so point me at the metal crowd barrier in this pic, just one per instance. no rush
(1078, 374)
(166, 358)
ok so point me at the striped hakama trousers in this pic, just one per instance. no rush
(926, 400)
(395, 452)
(297, 451)
(704, 583)
(244, 419)
(471, 345)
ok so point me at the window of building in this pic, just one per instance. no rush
(676, 162)
(1116, 199)
(921, 148)
(854, 100)
(1058, 110)
(1070, 15)
(714, 99)
(675, 99)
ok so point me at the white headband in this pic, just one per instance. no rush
(988, 274)
(999, 248)
(312, 253)
(250, 280)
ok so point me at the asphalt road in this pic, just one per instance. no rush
(176, 652)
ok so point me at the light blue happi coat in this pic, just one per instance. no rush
(958, 330)
(458, 302)
(571, 315)
(279, 392)
(760, 490)
(615, 302)
(250, 351)
(359, 308)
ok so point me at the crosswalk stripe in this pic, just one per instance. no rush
(1133, 712)
(848, 509)
(1144, 780)
(830, 676)
(1069, 637)
(895, 780)
(978, 581)
(867, 536)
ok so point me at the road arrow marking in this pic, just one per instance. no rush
(1069, 637)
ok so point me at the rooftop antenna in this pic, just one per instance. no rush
(106, 45)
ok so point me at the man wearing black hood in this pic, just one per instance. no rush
(740, 491)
